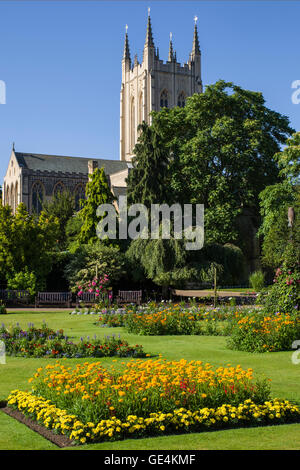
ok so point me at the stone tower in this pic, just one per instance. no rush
(153, 84)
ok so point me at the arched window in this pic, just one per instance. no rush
(181, 100)
(79, 194)
(164, 99)
(132, 119)
(58, 188)
(37, 197)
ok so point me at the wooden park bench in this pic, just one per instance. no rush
(53, 298)
(89, 298)
(129, 296)
(86, 298)
(14, 295)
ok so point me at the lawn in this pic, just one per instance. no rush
(278, 367)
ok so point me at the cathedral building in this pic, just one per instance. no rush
(152, 84)
(147, 86)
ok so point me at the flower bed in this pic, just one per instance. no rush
(111, 320)
(164, 322)
(249, 330)
(260, 333)
(145, 387)
(39, 342)
(170, 320)
(91, 404)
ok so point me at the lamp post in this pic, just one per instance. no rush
(215, 287)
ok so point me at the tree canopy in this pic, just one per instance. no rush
(218, 151)
(149, 182)
(289, 159)
(62, 207)
(26, 242)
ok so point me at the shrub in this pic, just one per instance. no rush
(97, 286)
(260, 333)
(163, 323)
(284, 294)
(23, 280)
(2, 308)
(96, 260)
(257, 280)
(39, 342)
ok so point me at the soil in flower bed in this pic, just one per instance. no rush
(180, 421)
(57, 439)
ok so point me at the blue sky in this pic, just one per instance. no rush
(61, 62)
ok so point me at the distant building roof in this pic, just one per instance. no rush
(59, 163)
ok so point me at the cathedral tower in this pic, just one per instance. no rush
(152, 84)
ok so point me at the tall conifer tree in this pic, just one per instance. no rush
(97, 192)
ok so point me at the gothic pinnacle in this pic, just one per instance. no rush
(171, 52)
(196, 47)
(149, 37)
(126, 53)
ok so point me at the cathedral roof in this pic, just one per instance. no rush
(59, 163)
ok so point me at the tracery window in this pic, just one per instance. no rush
(58, 188)
(164, 99)
(79, 195)
(181, 100)
(37, 197)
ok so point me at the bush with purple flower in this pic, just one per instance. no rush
(45, 342)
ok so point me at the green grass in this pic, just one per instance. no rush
(278, 367)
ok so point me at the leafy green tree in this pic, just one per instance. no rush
(289, 159)
(218, 151)
(274, 203)
(163, 261)
(6, 240)
(62, 207)
(26, 242)
(97, 192)
(72, 231)
(223, 143)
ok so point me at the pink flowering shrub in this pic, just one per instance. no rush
(98, 286)
(284, 295)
